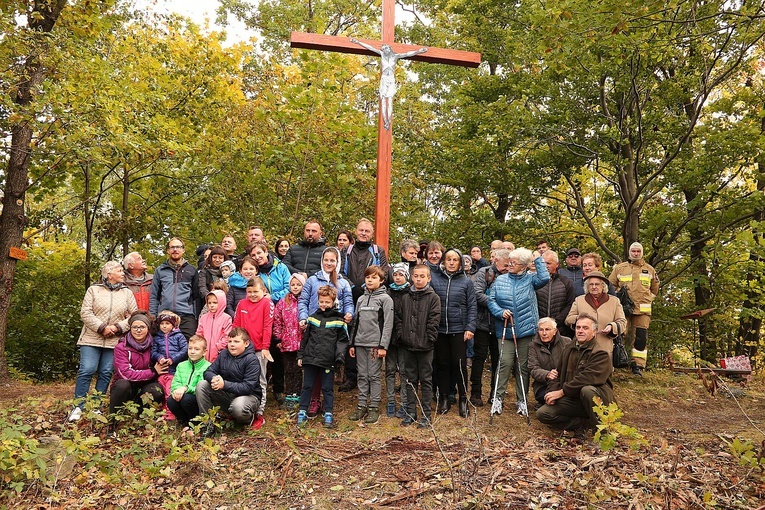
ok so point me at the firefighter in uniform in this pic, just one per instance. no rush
(642, 285)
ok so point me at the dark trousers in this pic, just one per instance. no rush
(277, 370)
(417, 369)
(573, 413)
(293, 375)
(188, 326)
(123, 391)
(485, 344)
(451, 359)
(184, 410)
(310, 375)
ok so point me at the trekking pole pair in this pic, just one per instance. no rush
(496, 404)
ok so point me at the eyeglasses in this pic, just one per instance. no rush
(175, 247)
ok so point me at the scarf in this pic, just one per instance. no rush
(175, 266)
(112, 286)
(596, 300)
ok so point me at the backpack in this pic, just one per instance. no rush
(373, 249)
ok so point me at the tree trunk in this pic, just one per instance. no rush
(12, 218)
(748, 337)
(125, 196)
(701, 291)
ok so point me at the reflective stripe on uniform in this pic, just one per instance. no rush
(645, 307)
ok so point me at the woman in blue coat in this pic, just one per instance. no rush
(458, 321)
(513, 294)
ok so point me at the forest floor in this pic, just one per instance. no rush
(695, 450)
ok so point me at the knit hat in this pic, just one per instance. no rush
(140, 317)
(401, 267)
(299, 277)
(636, 245)
(166, 317)
(229, 264)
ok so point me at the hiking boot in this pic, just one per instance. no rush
(452, 398)
(408, 420)
(291, 402)
(329, 421)
(423, 423)
(476, 400)
(372, 416)
(463, 407)
(443, 406)
(314, 408)
(390, 412)
(522, 409)
(358, 414)
(279, 397)
(257, 422)
(302, 418)
(638, 371)
(401, 413)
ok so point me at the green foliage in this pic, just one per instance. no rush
(610, 431)
(44, 320)
(747, 454)
(22, 457)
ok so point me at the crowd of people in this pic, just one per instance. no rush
(302, 318)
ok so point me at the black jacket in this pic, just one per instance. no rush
(325, 339)
(304, 257)
(417, 316)
(241, 374)
(555, 298)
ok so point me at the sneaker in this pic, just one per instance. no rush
(76, 414)
(401, 413)
(314, 408)
(522, 409)
(476, 400)
(372, 416)
(302, 418)
(358, 414)
(423, 423)
(390, 412)
(496, 406)
(257, 422)
(408, 420)
(291, 402)
(329, 421)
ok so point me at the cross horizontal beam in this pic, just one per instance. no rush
(307, 41)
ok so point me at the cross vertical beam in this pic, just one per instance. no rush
(384, 136)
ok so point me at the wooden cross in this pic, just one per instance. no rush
(384, 138)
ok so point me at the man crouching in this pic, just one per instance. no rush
(584, 372)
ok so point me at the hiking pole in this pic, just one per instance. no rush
(496, 405)
(520, 372)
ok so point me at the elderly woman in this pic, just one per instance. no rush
(135, 375)
(104, 312)
(605, 308)
(545, 353)
(459, 311)
(513, 295)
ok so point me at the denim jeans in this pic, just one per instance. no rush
(93, 360)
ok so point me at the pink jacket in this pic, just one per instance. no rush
(132, 361)
(286, 324)
(215, 327)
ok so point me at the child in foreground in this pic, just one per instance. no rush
(372, 330)
(215, 325)
(232, 382)
(169, 349)
(287, 338)
(322, 348)
(182, 401)
(418, 314)
(256, 315)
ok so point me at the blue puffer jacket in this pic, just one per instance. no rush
(516, 292)
(308, 302)
(459, 309)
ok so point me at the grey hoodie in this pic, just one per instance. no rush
(373, 322)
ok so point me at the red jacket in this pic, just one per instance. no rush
(257, 319)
